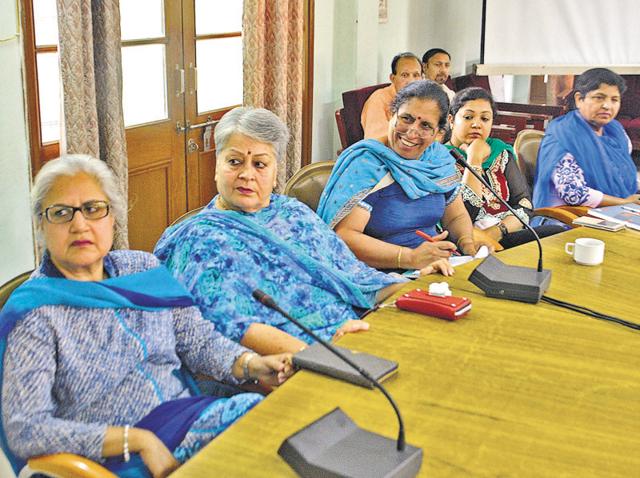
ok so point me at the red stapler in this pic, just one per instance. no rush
(420, 301)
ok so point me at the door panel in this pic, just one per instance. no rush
(157, 172)
(214, 73)
(149, 198)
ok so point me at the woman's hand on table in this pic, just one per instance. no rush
(271, 370)
(441, 265)
(350, 327)
(633, 199)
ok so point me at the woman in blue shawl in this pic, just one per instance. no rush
(94, 342)
(585, 155)
(248, 238)
(382, 191)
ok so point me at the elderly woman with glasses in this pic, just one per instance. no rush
(248, 238)
(96, 341)
(383, 192)
(585, 155)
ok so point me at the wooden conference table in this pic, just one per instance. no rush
(511, 390)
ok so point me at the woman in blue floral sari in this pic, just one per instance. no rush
(249, 238)
(95, 341)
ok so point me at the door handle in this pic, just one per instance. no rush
(192, 146)
(180, 80)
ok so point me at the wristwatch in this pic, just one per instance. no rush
(503, 229)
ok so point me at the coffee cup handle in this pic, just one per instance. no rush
(569, 247)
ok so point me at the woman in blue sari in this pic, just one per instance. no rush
(248, 238)
(95, 341)
(585, 155)
(382, 191)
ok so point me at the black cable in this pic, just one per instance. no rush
(590, 312)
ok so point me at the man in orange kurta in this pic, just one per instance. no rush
(376, 113)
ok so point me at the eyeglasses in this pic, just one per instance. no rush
(405, 121)
(91, 210)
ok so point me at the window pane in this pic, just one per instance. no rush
(144, 84)
(49, 95)
(131, 14)
(46, 22)
(218, 16)
(219, 87)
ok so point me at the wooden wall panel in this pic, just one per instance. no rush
(149, 211)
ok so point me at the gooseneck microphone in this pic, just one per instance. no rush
(334, 446)
(463, 162)
(267, 300)
(497, 279)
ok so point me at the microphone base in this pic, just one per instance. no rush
(334, 446)
(501, 281)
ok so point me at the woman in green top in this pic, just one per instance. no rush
(471, 118)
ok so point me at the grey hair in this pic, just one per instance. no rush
(70, 165)
(256, 123)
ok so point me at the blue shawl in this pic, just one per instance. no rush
(154, 289)
(361, 166)
(605, 159)
(283, 249)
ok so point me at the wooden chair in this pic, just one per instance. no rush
(187, 214)
(353, 102)
(60, 465)
(472, 79)
(342, 129)
(526, 146)
(309, 182)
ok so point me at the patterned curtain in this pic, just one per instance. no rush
(273, 68)
(91, 71)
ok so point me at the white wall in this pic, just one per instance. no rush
(353, 50)
(16, 239)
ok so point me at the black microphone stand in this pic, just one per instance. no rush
(371, 449)
(499, 280)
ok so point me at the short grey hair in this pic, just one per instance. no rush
(256, 123)
(70, 165)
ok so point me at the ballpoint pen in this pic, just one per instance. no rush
(631, 209)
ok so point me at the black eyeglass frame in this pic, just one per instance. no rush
(74, 209)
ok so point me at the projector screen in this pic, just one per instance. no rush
(559, 36)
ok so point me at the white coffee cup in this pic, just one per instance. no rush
(586, 251)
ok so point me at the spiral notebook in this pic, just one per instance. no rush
(318, 359)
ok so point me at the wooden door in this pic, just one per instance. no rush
(153, 97)
(212, 42)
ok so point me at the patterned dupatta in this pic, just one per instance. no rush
(361, 166)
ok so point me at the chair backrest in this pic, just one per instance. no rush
(342, 128)
(472, 79)
(353, 102)
(187, 214)
(309, 182)
(526, 146)
(8, 287)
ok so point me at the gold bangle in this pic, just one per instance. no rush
(464, 236)
(398, 257)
